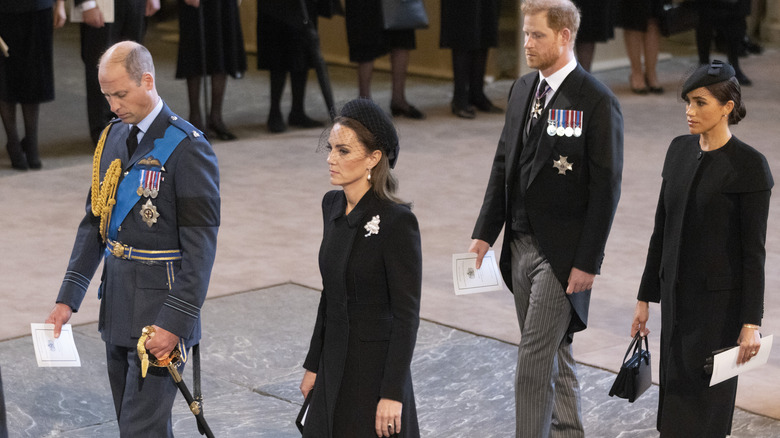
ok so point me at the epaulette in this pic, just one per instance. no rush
(186, 127)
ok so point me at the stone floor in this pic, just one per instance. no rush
(251, 364)
(263, 288)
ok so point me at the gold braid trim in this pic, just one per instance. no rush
(104, 195)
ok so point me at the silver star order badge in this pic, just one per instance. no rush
(537, 110)
(562, 165)
(149, 213)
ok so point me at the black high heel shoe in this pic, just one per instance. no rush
(15, 153)
(651, 89)
(276, 123)
(31, 152)
(408, 112)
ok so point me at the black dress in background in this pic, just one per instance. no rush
(281, 35)
(224, 40)
(366, 35)
(634, 14)
(469, 24)
(27, 75)
(597, 22)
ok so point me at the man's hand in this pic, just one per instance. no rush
(94, 17)
(162, 343)
(579, 281)
(152, 6)
(480, 248)
(59, 315)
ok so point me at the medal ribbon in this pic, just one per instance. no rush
(127, 196)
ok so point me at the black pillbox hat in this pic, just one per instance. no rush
(716, 71)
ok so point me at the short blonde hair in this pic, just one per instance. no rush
(561, 14)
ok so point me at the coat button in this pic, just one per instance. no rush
(699, 155)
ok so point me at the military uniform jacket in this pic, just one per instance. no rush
(135, 293)
(570, 213)
(366, 328)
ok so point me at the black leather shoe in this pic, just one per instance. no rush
(301, 120)
(222, 132)
(743, 80)
(486, 106)
(276, 123)
(463, 112)
(408, 112)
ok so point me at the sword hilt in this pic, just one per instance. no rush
(170, 361)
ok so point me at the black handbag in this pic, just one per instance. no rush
(404, 14)
(678, 17)
(634, 377)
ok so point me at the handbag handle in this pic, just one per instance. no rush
(636, 345)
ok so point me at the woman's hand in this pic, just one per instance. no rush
(641, 315)
(388, 417)
(59, 14)
(307, 384)
(749, 343)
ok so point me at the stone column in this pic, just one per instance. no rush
(770, 25)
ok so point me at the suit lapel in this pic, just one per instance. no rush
(560, 100)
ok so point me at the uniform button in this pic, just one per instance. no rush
(174, 118)
(126, 173)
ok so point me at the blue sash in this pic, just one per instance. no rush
(126, 194)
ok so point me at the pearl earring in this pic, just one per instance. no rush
(369, 174)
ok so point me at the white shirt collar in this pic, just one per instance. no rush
(556, 79)
(144, 124)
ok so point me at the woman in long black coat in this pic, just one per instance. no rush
(706, 258)
(358, 365)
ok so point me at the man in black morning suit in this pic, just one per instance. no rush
(553, 188)
(157, 241)
(96, 36)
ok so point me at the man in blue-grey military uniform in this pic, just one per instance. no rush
(153, 218)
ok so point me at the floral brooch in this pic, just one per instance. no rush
(372, 226)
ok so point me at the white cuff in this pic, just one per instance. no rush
(89, 4)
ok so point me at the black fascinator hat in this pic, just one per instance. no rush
(370, 115)
(716, 71)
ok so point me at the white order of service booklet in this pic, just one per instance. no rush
(51, 351)
(467, 279)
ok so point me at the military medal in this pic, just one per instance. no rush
(551, 122)
(540, 95)
(562, 165)
(149, 213)
(569, 131)
(560, 131)
(149, 184)
(578, 123)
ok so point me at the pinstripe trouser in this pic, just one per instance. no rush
(547, 394)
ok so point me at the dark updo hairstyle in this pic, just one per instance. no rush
(729, 91)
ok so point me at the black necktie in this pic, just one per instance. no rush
(132, 141)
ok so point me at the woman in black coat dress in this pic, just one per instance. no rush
(706, 258)
(358, 365)
(27, 74)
